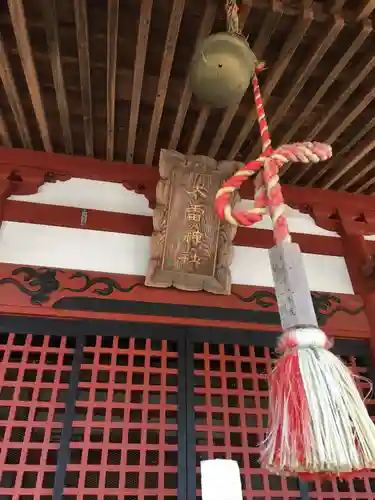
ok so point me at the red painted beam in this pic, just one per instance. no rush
(52, 215)
(83, 167)
(147, 176)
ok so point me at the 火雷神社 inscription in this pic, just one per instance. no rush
(191, 248)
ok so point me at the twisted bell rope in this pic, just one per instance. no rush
(268, 196)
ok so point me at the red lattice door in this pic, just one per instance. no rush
(130, 415)
(230, 400)
(35, 373)
(124, 442)
(91, 417)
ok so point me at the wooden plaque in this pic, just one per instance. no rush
(191, 249)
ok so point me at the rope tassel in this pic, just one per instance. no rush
(318, 421)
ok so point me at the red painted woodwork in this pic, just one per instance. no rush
(357, 252)
(99, 220)
(322, 204)
(34, 380)
(231, 415)
(125, 428)
(13, 301)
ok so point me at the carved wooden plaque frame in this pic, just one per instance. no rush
(191, 249)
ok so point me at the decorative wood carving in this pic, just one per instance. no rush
(26, 290)
(191, 249)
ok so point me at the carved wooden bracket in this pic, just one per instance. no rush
(147, 189)
(23, 182)
(334, 218)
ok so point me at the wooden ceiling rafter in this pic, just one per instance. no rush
(338, 155)
(324, 43)
(367, 185)
(327, 84)
(287, 52)
(83, 93)
(52, 35)
(335, 134)
(80, 13)
(4, 133)
(348, 92)
(357, 177)
(165, 71)
(138, 74)
(344, 97)
(112, 36)
(18, 19)
(204, 31)
(337, 6)
(260, 45)
(13, 97)
(365, 10)
(198, 129)
(358, 153)
(357, 44)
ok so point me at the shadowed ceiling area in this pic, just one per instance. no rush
(109, 79)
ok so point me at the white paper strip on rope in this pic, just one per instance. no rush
(221, 480)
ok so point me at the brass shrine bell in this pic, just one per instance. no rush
(221, 69)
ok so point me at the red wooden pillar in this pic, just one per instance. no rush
(357, 254)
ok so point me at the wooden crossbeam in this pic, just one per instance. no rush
(52, 35)
(17, 15)
(112, 35)
(354, 47)
(13, 97)
(139, 66)
(165, 71)
(204, 30)
(80, 13)
(142, 176)
(324, 43)
(268, 28)
(287, 52)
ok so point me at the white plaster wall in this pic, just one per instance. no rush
(128, 254)
(111, 197)
(83, 193)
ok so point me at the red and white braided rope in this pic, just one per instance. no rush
(233, 23)
(268, 195)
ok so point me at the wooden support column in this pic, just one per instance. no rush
(357, 255)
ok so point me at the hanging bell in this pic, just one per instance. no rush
(221, 69)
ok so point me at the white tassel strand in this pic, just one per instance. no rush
(338, 436)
